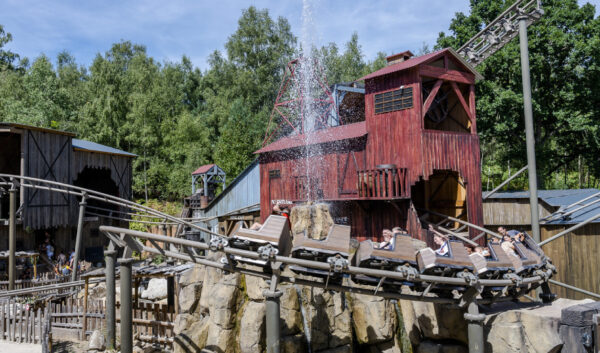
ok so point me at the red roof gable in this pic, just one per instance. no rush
(412, 62)
(205, 168)
(338, 133)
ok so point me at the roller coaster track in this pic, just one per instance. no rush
(461, 289)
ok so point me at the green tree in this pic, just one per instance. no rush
(564, 60)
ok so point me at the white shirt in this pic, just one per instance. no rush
(443, 250)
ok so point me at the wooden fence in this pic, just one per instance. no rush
(46, 279)
(21, 322)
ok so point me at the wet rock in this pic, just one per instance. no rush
(157, 289)
(252, 328)
(315, 219)
(293, 344)
(291, 316)
(374, 319)
(435, 347)
(96, 342)
(327, 318)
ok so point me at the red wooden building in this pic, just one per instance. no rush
(415, 149)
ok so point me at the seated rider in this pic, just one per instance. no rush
(441, 240)
(388, 240)
(277, 210)
(508, 246)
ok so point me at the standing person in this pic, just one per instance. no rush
(49, 250)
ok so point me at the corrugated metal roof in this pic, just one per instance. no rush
(414, 61)
(244, 191)
(203, 169)
(29, 127)
(96, 147)
(338, 133)
(560, 199)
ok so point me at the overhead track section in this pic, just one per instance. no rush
(500, 31)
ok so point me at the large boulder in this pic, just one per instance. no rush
(373, 318)
(433, 321)
(157, 289)
(188, 297)
(327, 318)
(315, 219)
(520, 327)
(96, 342)
(192, 276)
(192, 339)
(252, 328)
(290, 311)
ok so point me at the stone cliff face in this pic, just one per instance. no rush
(226, 313)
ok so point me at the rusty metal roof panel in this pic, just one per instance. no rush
(415, 61)
(337, 133)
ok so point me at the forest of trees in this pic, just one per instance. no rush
(176, 117)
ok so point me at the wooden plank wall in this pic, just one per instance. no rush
(47, 156)
(120, 168)
(575, 256)
(515, 212)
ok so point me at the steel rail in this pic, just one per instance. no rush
(505, 182)
(294, 280)
(96, 195)
(563, 211)
(568, 230)
(353, 270)
(47, 288)
(129, 219)
(463, 238)
(568, 286)
(466, 223)
(562, 214)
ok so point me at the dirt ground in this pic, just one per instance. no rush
(12, 347)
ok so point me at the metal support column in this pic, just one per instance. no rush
(474, 328)
(272, 296)
(126, 317)
(111, 256)
(529, 130)
(82, 205)
(12, 236)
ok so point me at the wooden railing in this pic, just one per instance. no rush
(383, 183)
(46, 279)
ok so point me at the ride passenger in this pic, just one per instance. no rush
(388, 240)
(510, 233)
(508, 246)
(441, 240)
(277, 210)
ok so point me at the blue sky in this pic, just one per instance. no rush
(170, 29)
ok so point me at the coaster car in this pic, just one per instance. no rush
(493, 266)
(334, 249)
(273, 238)
(400, 257)
(456, 260)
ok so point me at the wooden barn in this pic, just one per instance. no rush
(573, 254)
(58, 156)
(414, 149)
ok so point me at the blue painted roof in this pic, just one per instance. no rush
(560, 199)
(96, 147)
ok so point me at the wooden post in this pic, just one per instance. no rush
(85, 308)
(137, 294)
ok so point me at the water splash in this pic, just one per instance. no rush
(310, 88)
(304, 318)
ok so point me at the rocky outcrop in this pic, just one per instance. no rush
(157, 289)
(226, 313)
(315, 219)
(509, 327)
